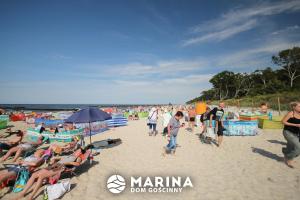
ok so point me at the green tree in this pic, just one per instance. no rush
(289, 60)
(266, 81)
(223, 83)
(242, 84)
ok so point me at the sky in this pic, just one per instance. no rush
(135, 51)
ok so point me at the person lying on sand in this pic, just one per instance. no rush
(31, 162)
(23, 147)
(58, 165)
(12, 142)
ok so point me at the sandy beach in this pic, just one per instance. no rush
(243, 168)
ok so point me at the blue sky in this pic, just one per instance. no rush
(88, 51)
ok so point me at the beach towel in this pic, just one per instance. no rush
(21, 181)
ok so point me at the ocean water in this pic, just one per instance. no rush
(57, 107)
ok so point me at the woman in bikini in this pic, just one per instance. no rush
(12, 142)
(30, 162)
(58, 165)
(23, 147)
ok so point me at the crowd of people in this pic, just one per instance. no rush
(212, 126)
(42, 162)
(175, 118)
(45, 162)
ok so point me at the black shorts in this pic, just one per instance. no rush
(220, 132)
(192, 119)
(165, 130)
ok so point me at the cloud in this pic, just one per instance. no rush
(190, 79)
(171, 67)
(237, 21)
(60, 57)
(286, 30)
(98, 91)
(255, 57)
(223, 34)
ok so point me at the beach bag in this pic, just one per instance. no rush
(52, 192)
(210, 132)
(21, 181)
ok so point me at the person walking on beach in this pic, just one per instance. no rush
(204, 119)
(217, 115)
(173, 129)
(166, 119)
(291, 133)
(152, 121)
(192, 118)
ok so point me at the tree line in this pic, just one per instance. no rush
(231, 85)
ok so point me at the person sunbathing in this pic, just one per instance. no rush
(30, 162)
(23, 147)
(65, 148)
(12, 142)
(58, 165)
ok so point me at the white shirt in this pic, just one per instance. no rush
(166, 119)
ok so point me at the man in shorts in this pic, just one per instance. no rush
(217, 115)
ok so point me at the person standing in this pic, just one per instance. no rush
(204, 119)
(166, 119)
(291, 133)
(217, 114)
(173, 129)
(192, 118)
(152, 121)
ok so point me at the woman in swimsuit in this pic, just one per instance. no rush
(57, 167)
(18, 150)
(12, 142)
(31, 162)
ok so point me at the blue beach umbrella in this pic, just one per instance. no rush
(88, 115)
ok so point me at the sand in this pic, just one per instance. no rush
(243, 168)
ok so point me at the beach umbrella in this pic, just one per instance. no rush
(88, 115)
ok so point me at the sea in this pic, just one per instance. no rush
(62, 107)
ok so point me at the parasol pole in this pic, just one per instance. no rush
(90, 133)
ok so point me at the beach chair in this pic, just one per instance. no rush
(71, 170)
(87, 157)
